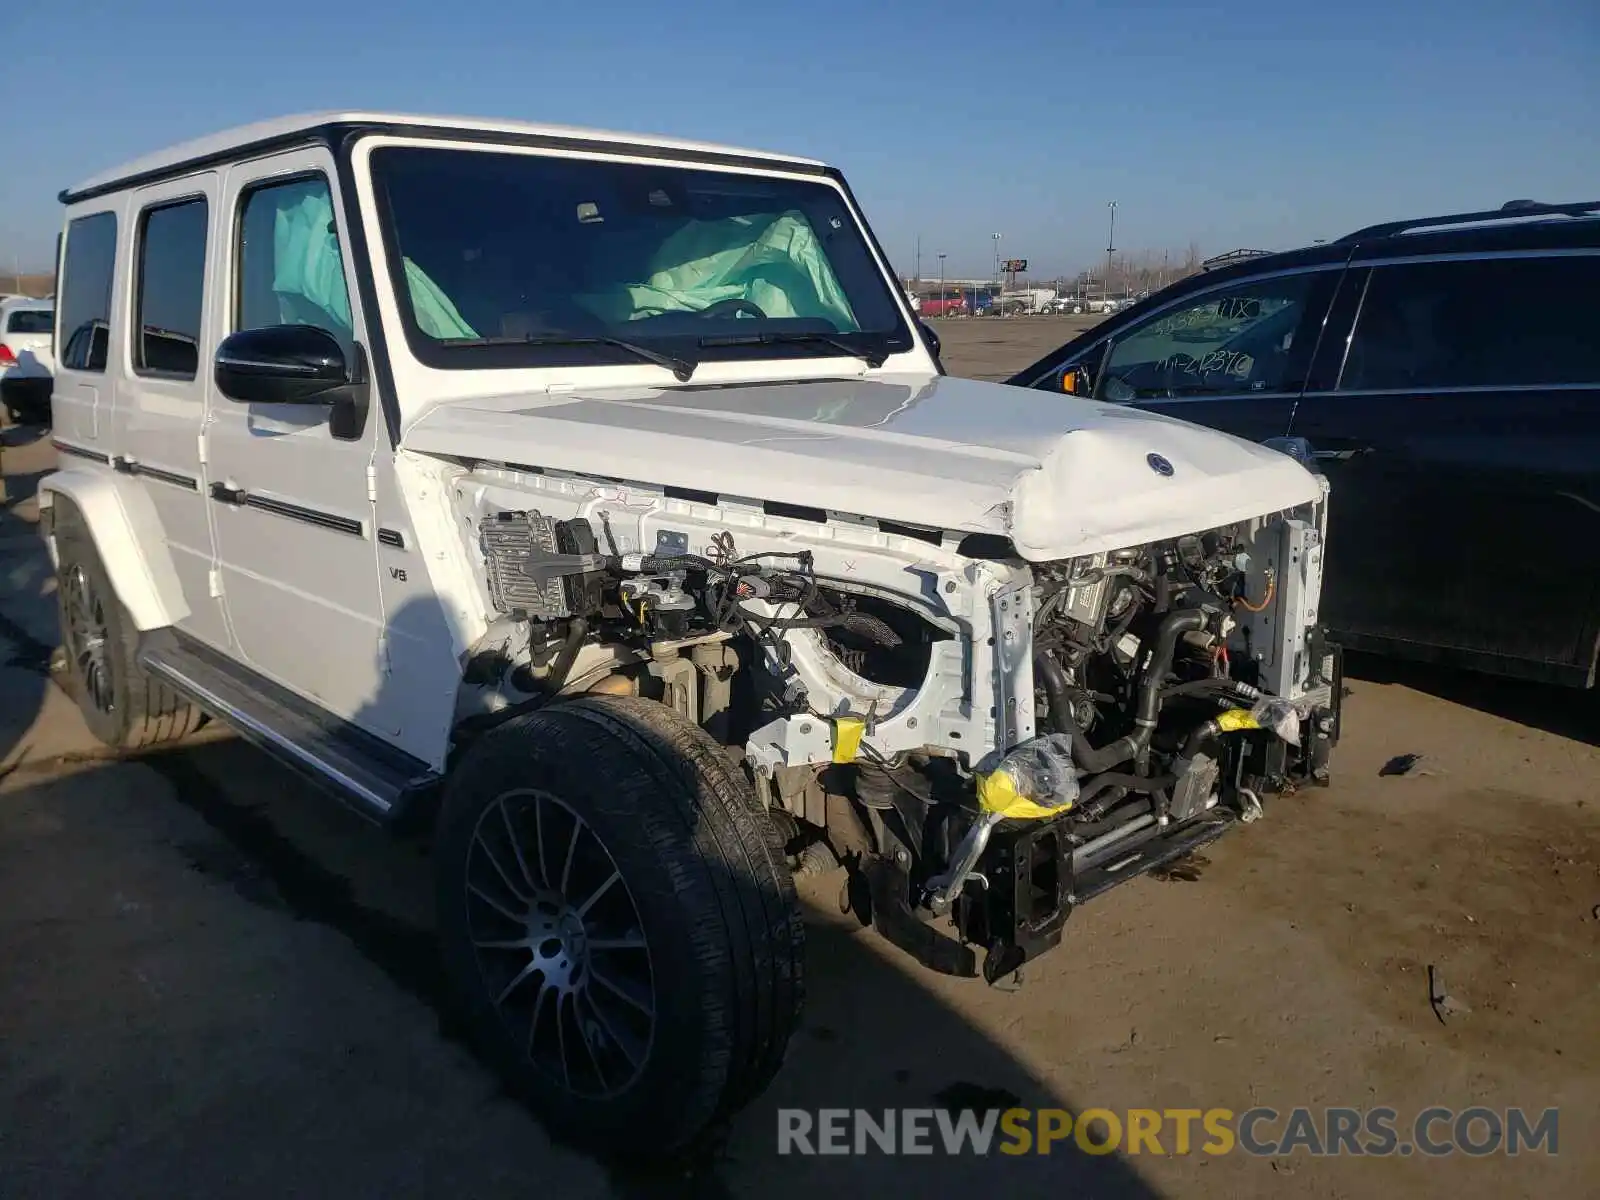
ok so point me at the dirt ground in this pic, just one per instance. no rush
(217, 981)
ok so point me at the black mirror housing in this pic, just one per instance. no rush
(935, 346)
(281, 364)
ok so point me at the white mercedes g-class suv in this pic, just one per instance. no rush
(597, 504)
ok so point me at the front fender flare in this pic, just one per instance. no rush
(128, 535)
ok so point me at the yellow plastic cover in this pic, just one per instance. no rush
(847, 733)
(997, 793)
(1236, 719)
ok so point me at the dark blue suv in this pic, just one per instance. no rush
(1444, 373)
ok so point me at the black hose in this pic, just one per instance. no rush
(1101, 783)
(1173, 626)
(1203, 731)
(550, 685)
(1199, 687)
(865, 624)
(1091, 760)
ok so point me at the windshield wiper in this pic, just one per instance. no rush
(873, 358)
(682, 368)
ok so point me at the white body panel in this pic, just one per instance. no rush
(355, 579)
(128, 535)
(1060, 476)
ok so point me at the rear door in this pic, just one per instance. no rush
(1461, 434)
(163, 375)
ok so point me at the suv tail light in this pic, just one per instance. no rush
(7, 359)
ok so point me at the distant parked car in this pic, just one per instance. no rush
(27, 365)
(1444, 375)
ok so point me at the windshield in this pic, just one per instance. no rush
(506, 259)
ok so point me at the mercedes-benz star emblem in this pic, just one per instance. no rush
(1158, 464)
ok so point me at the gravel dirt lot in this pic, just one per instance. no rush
(216, 981)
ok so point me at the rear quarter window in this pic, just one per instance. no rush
(87, 269)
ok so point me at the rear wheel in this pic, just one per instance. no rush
(122, 705)
(617, 916)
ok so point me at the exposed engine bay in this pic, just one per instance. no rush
(984, 742)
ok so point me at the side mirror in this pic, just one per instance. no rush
(1075, 380)
(935, 346)
(281, 364)
(1297, 448)
(296, 364)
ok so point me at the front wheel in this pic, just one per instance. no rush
(618, 919)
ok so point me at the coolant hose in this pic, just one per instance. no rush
(1172, 627)
(1053, 678)
(1089, 759)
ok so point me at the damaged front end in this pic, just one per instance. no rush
(984, 741)
(1174, 685)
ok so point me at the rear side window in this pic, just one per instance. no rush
(1504, 322)
(30, 320)
(85, 299)
(172, 271)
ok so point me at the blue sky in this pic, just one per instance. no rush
(1240, 123)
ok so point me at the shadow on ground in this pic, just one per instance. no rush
(28, 631)
(187, 1015)
(1567, 712)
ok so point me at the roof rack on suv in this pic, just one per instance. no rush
(1231, 257)
(1509, 211)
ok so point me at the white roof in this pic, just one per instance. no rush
(227, 139)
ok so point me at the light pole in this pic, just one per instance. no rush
(1111, 246)
(942, 309)
(997, 256)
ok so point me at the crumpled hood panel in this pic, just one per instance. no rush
(1060, 476)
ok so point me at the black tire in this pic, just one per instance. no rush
(122, 705)
(712, 902)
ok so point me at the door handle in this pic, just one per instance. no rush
(226, 494)
(1304, 453)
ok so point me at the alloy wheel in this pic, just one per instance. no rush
(88, 637)
(559, 943)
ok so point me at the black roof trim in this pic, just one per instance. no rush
(332, 133)
(1512, 210)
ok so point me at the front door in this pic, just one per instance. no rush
(1232, 357)
(1462, 441)
(290, 500)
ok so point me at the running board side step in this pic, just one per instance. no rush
(372, 777)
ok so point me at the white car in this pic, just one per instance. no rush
(592, 502)
(26, 364)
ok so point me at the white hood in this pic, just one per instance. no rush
(1058, 475)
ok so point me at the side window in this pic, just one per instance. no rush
(1240, 339)
(1502, 322)
(290, 269)
(172, 272)
(85, 299)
